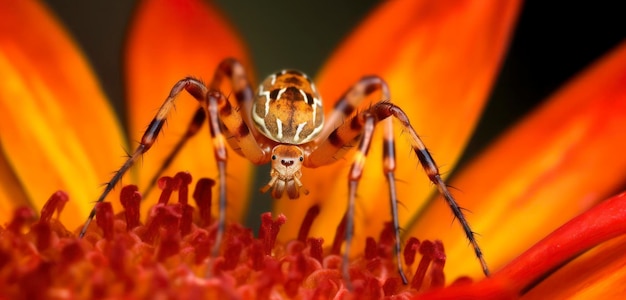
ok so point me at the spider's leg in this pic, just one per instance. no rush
(230, 78)
(193, 87)
(368, 121)
(194, 126)
(384, 110)
(332, 145)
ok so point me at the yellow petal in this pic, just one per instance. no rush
(57, 130)
(439, 59)
(170, 40)
(558, 162)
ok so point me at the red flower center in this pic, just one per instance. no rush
(170, 254)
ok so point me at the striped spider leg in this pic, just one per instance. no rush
(359, 128)
(283, 124)
(222, 114)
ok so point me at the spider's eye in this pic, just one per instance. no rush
(301, 158)
(273, 157)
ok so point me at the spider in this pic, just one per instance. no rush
(284, 124)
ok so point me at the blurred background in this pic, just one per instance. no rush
(552, 42)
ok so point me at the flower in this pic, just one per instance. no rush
(433, 44)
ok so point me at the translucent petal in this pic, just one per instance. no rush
(439, 59)
(558, 162)
(169, 40)
(57, 130)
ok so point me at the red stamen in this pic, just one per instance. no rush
(427, 249)
(104, 219)
(56, 202)
(186, 219)
(170, 242)
(339, 236)
(166, 216)
(184, 179)
(387, 236)
(305, 227)
(315, 248)
(370, 248)
(269, 230)
(43, 235)
(410, 250)
(131, 199)
(295, 275)
(203, 197)
(369, 289)
(392, 286)
(202, 245)
(71, 253)
(22, 216)
(167, 185)
(437, 277)
(233, 250)
(117, 258)
(256, 253)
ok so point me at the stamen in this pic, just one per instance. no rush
(437, 277)
(131, 199)
(183, 179)
(22, 216)
(269, 230)
(410, 250)
(56, 202)
(203, 197)
(430, 251)
(186, 220)
(305, 227)
(104, 219)
(170, 240)
(339, 236)
(170, 249)
(392, 286)
(371, 249)
(315, 248)
(167, 185)
(71, 253)
(234, 247)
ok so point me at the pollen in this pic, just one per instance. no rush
(169, 254)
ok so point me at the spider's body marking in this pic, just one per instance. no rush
(288, 109)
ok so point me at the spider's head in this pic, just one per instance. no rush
(286, 163)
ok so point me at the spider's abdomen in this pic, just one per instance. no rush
(288, 108)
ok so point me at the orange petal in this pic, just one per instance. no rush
(169, 40)
(439, 59)
(591, 273)
(57, 130)
(559, 161)
(598, 274)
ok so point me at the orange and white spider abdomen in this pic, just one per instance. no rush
(288, 108)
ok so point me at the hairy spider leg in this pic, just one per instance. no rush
(334, 142)
(384, 110)
(193, 87)
(231, 72)
(355, 128)
(220, 115)
(194, 126)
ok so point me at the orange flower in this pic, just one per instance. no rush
(439, 60)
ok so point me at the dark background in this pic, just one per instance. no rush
(552, 42)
